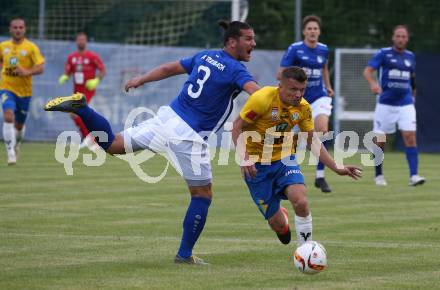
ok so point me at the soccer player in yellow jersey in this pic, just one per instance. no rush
(265, 126)
(20, 59)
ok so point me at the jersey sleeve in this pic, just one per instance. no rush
(377, 60)
(98, 62)
(306, 123)
(188, 63)
(288, 58)
(255, 106)
(68, 67)
(242, 77)
(36, 56)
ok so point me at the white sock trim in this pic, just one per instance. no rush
(9, 137)
(320, 174)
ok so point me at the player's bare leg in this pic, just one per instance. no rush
(296, 193)
(321, 125)
(279, 223)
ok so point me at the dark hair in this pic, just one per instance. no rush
(232, 29)
(399, 27)
(81, 33)
(311, 18)
(16, 18)
(294, 72)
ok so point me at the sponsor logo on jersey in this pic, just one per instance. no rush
(274, 113)
(295, 116)
(13, 61)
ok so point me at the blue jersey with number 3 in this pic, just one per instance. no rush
(215, 79)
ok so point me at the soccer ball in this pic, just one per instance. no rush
(310, 258)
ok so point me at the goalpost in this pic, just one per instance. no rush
(354, 103)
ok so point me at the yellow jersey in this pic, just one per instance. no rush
(272, 120)
(26, 55)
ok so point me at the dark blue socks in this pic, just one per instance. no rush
(96, 122)
(193, 224)
(321, 165)
(413, 159)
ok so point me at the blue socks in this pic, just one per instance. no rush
(378, 169)
(96, 122)
(413, 159)
(193, 224)
(321, 165)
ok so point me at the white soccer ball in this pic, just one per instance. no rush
(310, 258)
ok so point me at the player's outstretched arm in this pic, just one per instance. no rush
(156, 74)
(314, 144)
(251, 87)
(247, 170)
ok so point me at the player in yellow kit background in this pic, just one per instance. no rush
(20, 59)
(268, 118)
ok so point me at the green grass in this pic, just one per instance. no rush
(103, 228)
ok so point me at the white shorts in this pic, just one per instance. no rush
(386, 117)
(322, 106)
(184, 148)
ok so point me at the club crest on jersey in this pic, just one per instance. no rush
(13, 61)
(23, 52)
(274, 113)
(74, 60)
(320, 59)
(407, 63)
(295, 116)
(6, 50)
(86, 61)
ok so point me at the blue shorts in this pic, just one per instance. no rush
(19, 106)
(267, 188)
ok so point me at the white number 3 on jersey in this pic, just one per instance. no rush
(200, 82)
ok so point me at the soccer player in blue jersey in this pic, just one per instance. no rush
(396, 99)
(312, 56)
(203, 105)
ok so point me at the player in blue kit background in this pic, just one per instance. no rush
(203, 105)
(312, 56)
(395, 103)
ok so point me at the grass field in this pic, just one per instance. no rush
(103, 228)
